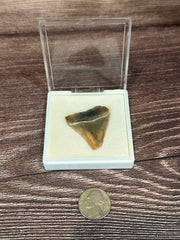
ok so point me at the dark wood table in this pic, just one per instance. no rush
(36, 204)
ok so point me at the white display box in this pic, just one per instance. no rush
(86, 63)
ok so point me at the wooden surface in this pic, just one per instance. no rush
(36, 204)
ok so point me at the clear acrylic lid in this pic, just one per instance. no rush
(86, 54)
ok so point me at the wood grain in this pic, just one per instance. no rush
(22, 16)
(35, 204)
(145, 202)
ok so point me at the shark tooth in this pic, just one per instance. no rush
(91, 125)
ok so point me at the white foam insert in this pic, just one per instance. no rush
(64, 148)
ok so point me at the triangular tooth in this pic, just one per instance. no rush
(91, 125)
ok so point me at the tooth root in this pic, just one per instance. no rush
(91, 125)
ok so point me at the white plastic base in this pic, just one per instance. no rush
(66, 149)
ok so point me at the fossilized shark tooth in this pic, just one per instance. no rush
(91, 125)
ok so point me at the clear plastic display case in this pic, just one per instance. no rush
(86, 65)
